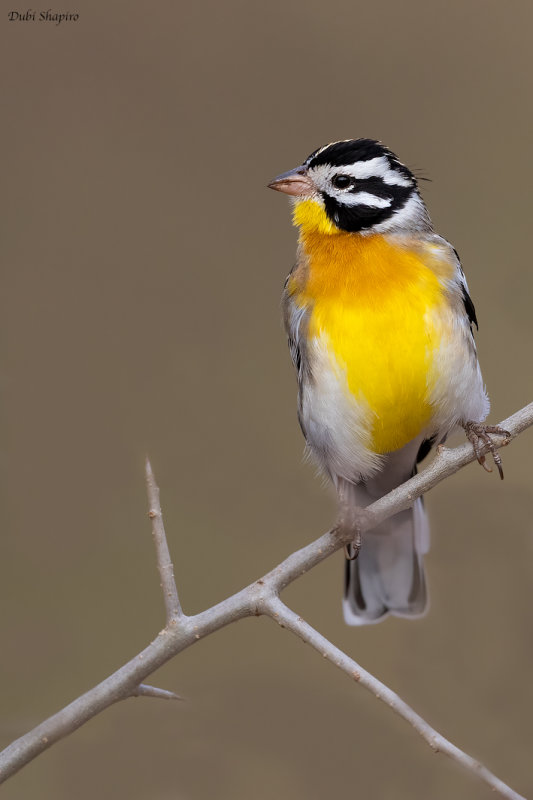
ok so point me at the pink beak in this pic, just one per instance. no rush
(295, 182)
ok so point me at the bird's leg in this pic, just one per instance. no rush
(479, 435)
(348, 521)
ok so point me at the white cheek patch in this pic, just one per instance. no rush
(365, 199)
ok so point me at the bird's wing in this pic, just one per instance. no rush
(295, 318)
(467, 300)
(457, 285)
(459, 394)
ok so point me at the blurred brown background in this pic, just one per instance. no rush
(143, 263)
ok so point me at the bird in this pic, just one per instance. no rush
(380, 324)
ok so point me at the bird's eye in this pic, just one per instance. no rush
(342, 181)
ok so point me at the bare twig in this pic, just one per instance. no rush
(260, 597)
(144, 690)
(164, 562)
(283, 615)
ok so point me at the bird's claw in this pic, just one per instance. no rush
(351, 551)
(480, 436)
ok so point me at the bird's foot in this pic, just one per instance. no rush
(351, 551)
(349, 527)
(480, 435)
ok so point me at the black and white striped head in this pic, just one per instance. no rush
(360, 185)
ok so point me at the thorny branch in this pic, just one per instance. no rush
(260, 597)
(164, 562)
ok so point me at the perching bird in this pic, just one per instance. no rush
(379, 322)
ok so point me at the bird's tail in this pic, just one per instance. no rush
(388, 577)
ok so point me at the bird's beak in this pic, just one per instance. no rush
(295, 182)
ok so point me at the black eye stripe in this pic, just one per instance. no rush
(375, 186)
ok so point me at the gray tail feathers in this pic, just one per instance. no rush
(387, 577)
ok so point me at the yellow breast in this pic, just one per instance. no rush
(372, 301)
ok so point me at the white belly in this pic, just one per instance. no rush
(337, 426)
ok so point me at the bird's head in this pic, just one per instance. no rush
(357, 186)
